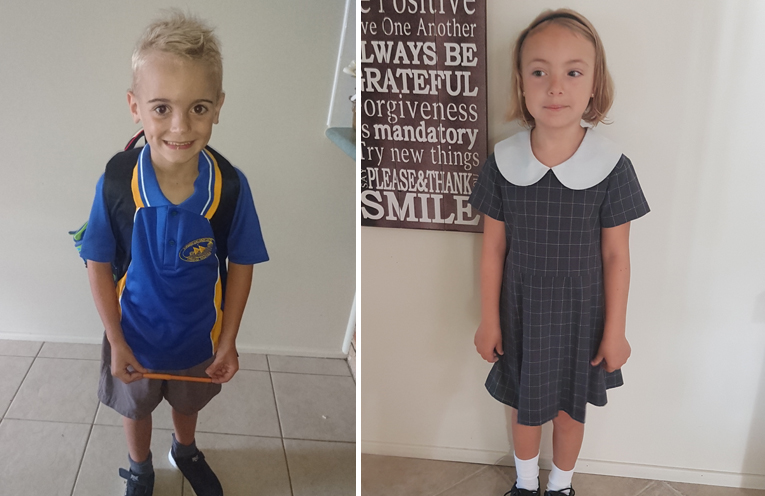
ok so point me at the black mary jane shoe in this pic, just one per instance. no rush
(563, 492)
(516, 491)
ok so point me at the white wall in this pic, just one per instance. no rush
(64, 70)
(689, 113)
(341, 109)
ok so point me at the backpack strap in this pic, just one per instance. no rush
(118, 197)
(223, 217)
(137, 136)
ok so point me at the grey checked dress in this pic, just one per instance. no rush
(552, 297)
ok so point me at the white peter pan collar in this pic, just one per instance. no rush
(592, 162)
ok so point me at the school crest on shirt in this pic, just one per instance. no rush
(197, 250)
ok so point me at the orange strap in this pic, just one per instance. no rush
(169, 377)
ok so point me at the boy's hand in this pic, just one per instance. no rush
(613, 352)
(125, 367)
(225, 365)
(488, 342)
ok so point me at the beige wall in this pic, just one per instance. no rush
(689, 113)
(64, 69)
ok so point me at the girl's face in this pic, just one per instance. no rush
(557, 73)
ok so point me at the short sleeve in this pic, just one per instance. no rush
(487, 192)
(98, 243)
(245, 240)
(624, 200)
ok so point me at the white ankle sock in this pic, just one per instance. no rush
(559, 479)
(527, 472)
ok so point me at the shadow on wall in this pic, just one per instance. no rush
(754, 458)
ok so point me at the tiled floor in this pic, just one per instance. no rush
(390, 475)
(283, 426)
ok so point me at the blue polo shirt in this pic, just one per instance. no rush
(171, 297)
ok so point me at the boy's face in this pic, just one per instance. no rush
(178, 101)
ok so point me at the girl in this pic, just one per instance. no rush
(558, 199)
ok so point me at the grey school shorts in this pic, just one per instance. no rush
(138, 399)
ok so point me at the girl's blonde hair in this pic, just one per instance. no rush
(603, 88)
(183, 35)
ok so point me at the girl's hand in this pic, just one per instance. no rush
(125, 367)
(488, 342)
(613, 352)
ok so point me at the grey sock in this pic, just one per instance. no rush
(183, 450)
(142, 468)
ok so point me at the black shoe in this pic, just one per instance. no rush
(138, 484)
(199, 474)
(516, 491)
(563, 492)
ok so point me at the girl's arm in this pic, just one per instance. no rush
(226, 362)
(488, 337)
(105, 297)
(615, 248)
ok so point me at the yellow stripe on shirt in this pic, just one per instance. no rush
(136, 190)
(216, 188)
(215, 333)
(120, 289)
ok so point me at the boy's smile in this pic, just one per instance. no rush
(178, 101)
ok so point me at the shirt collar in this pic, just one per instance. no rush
(592, 162)
(152, 196)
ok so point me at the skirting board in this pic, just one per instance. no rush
(597, 467)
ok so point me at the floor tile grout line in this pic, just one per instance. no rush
(47, 421)
(69, 358)
(281, 431)
(82, 458)
(350, 372)
(647, 486)
(502, 474)
(276, 405)
(299, 356)
(287, 464)
(672, 488)
(323, 374)
(482, 469)
(319, 440)
(202, 431)
(311, 373)
(26, 374)
(95, 422)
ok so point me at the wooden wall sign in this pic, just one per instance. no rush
(423, 112)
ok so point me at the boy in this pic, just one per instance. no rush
(164, 219)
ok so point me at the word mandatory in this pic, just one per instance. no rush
(422, 134)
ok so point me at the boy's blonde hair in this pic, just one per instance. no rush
(183, 35)
(603, 87)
